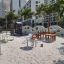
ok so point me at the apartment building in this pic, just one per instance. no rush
(33, 4)
(6, 4)
(2, 7)
(18, 4)
(10, 5)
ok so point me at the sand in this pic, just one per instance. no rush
(15, 52)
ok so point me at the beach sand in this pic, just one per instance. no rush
(16, 52)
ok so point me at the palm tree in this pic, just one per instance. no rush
(47, 9)
(11, 16)
(2, 23)
(27, 13)
(59, 8)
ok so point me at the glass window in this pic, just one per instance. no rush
(36, 17)
(36, 2)
(36, 5)
(39, 1)
(30, 5)
(53, 18)
(40, 23)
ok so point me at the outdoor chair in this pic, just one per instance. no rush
(6, 37)
(3, 38)
(35, 39)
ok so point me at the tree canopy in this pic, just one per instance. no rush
(26, 13)
(11, 16)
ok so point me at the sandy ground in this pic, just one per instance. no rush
(15, 52)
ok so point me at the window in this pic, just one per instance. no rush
(36, 17)
(53, 18)
(39, 1)
(36, 6)
(27, 4)
(52, 0)
(36, 2)
(30, 5)
(40, 23)
(24, 7)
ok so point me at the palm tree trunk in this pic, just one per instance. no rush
(49, 24)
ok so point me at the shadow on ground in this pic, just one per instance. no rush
(58, 62)
(26, 48)
(48, 41)
(61, 50)
(62, 43)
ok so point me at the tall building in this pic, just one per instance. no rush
(10, 5)
(2, 8)
(33, 4)
(18, 4)
(6, 3)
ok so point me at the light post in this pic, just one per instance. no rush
(6, 20)
(0, 47)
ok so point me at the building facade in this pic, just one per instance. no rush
(18, 4)
(9, 5)
(4, 6)
(1, 10)
(33, 4)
